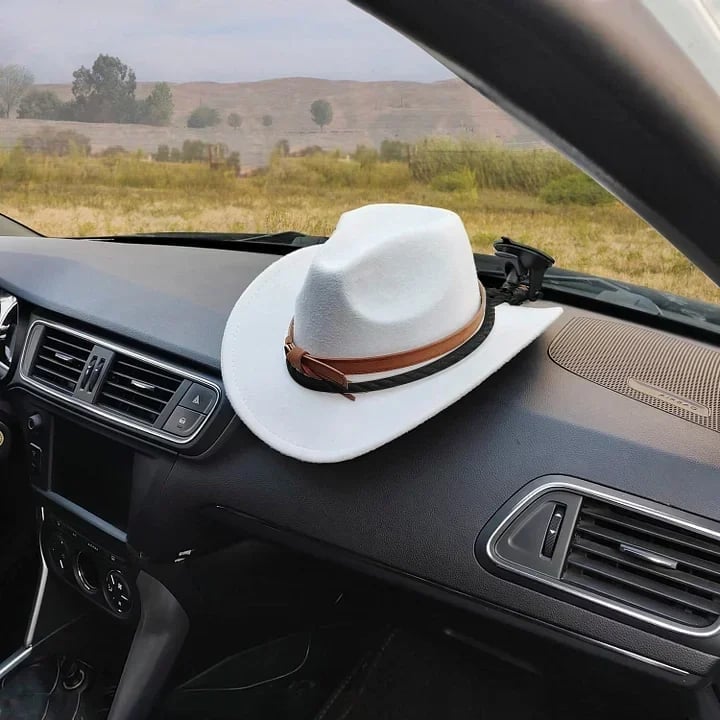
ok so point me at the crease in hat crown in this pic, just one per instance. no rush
(389, 279)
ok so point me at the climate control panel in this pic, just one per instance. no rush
(103, 577)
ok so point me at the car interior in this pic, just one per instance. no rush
(546, 547)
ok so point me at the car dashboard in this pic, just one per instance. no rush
(571, 494)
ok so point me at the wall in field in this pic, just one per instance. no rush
(364, 113)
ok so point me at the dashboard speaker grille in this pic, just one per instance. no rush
(59, 359)
(652, 565)
(669, 373)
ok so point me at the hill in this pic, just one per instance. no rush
(364, 113)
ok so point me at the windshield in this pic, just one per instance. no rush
(226, 117)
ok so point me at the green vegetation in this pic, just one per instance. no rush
(47, 141)
(104, 93)
(40, 105)
(365, 155)
(494, 167)
(394, 150)
(77, 194)
(282, 148)
(15, 81)
(321, 113)
(203, 116)
(462, 181)
(576, 189)
(233, 120)
(158, 107)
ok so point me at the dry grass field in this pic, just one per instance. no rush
(104, 196)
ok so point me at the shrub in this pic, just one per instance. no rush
(455, 181)
(203, 116)
(113, 150)
(575, 189)
(47, 141)
(366, 156)
(494, 166)
(163, 153)
(40, 105)
(394, 151)
(321, 170)
(194, 151)
(14, 166)
(307, 151)
(282, 147)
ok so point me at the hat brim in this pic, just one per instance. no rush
(325, 427)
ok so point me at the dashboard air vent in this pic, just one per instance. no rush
(649, 564)
(59, 359)
(138, 389)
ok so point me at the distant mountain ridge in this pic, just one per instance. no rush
(397, 106)
(363, 113)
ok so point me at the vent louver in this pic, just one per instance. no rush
(138, 389)
(645, 563)
(59, 359)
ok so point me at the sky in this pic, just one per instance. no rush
(219, 40)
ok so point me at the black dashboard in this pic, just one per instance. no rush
(416, 513)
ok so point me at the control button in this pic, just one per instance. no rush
(199, 398)
(553, 531)
(96, 374)
(117, 592)
(34, 422)
(183, 422)
(58, 552)
(36, 460)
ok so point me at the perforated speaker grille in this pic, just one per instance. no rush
(671, 374)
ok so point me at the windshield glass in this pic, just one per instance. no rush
(228, 117)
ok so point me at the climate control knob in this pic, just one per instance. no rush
(117, 592)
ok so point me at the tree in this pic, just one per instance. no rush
(105, 93)
(267, 120)
(15, 81)
(40, 105)
(163, 153)
(203, 116)
(394, 150)
(234, 120)
(321, 112)
(157, 108)
(194, 151)
(233, 162)
(282, 148)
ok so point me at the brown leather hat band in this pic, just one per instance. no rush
(336, 370)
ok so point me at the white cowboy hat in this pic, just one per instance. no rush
(337, 349)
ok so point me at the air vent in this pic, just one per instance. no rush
(59, 359)
(645, 563)
(138, 389)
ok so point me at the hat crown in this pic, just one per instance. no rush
(391, 278)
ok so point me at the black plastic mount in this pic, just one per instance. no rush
(525, 267)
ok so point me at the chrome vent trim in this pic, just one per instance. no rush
(644, 562)
(59, 359)
(623, 501)
(104, 413)
(137, 389)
